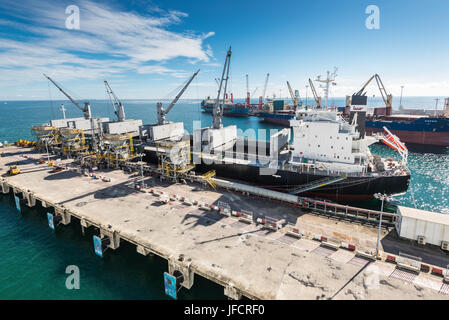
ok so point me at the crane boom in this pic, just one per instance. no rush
(295, 100)
(265, 86)
(85, 110)
(218, 107)
(116, 103)
(360, 92)
(315, 96)
(387, 98)
(161, 113)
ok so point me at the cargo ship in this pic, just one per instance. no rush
(329, 157)
(423, 130)
(277, 112)
(281, 118)
(419, 130)
(230, 108)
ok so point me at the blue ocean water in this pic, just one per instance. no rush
(34, 259)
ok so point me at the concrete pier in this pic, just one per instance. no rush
(288, 254)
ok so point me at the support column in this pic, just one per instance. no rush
(232, 293)
(113, 236)
(5, 187)
(66, 217)
(29, 197)
(183, 267)
(84, 224)
(143, 251)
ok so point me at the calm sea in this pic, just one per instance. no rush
(34, 259)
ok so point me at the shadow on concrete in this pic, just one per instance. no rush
(271, 210)
(111, 191)
(430, 254)
(12, 154)
(20, 162)
(157, 204)
(203, 218)
(61, 175)
(238, 234)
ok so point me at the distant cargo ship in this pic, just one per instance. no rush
(277, 112)
(412, 129)
(280, 117)
(230, 108)
(432, 131)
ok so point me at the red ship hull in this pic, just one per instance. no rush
(440, 139)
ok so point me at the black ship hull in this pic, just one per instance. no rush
(348, 190)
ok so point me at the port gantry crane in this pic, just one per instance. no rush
(218, 107)
(119, 110)
(387, 98)
(86, 109)
(315, 96)
(161, 112)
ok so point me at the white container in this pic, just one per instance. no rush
(413, 223)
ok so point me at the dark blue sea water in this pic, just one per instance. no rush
(34, 259)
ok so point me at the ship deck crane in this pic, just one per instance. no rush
(294, 98)
(161, 112)
(218, 107)
(116, 103)
(315, 95)
(86, 109)
(387, 98)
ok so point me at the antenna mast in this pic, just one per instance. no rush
(330, 78)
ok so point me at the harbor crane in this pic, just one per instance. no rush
(248, 97)
(218, 107)
(161, 112)
(119, 110)
(265, 86)
(387, 98)
(315, 96)
(86, 109)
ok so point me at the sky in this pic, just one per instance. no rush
(148, 49)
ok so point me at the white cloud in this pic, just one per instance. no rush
(109, 42)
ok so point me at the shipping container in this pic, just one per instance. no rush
(414, 223)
